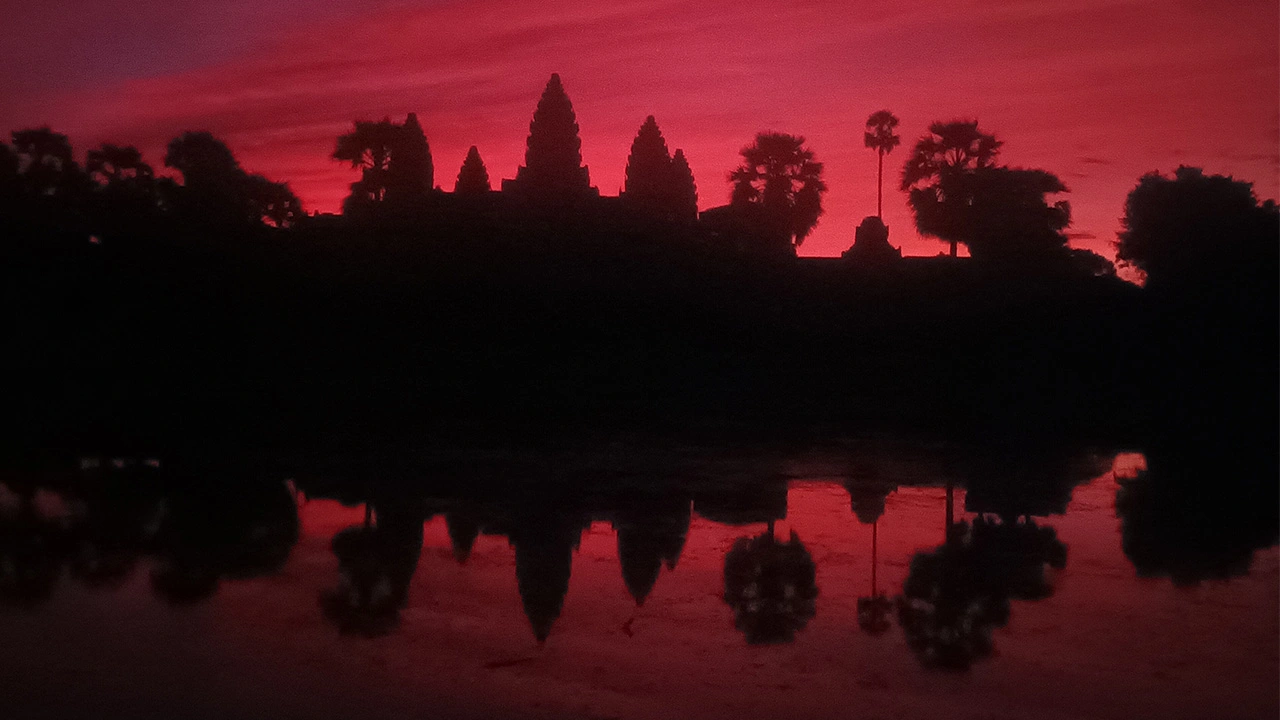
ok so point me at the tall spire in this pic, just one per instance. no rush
(473, 178)
(649, 172)
(411, 170)
(553, 172)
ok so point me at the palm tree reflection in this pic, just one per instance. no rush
(770, 586)
(957, 594)
(376, 561)
(867, 500)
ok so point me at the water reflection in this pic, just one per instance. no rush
(1199, 511)
(194, 528)
(651, 533)
(376, 560)
(771, 587)
(867, 501)
(216, 527)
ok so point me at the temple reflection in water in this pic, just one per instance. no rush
(193, 528)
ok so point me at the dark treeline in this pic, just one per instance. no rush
(150, 311)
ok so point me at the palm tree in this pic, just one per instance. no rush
(781, 175)
(879, 136)
(368, 147)
(935, 173)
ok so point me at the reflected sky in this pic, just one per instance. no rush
(538, 617)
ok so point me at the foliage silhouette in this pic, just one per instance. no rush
(1204, 505)
(770, 586)
(216, 190)
(215, 531)
(368, 148)
(8, 169)
(274, 203)
(127, 201)
(376, 563)
(46, 161)
(31, 549)
(949, 152)
(112, 164)
(473, 177)
(1195, 228)
(879, 136)
(779, 174)
(112, 530)
(955, 595)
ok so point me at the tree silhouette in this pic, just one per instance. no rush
(127, 196)
(1202, 508)
(1009, 218)
(112, 165)
(221, 529)
(8, 168)
(214, 187)
(779, 174)
(202, 159)
(879, 137)
(553, 173)
(46, 161)
(473, 177)
(945, 612)
(112, 527)
(957, 593)
(31, 554)
(933, 175)
(368, 147)
(770, 586)
(1183, 230)
(375, 564)
(273, 203)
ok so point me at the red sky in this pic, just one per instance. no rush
(1097, 91)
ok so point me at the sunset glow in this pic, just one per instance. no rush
(1099, 91)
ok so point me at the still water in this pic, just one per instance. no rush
(897, 584)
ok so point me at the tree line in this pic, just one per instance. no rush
(956, 188)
